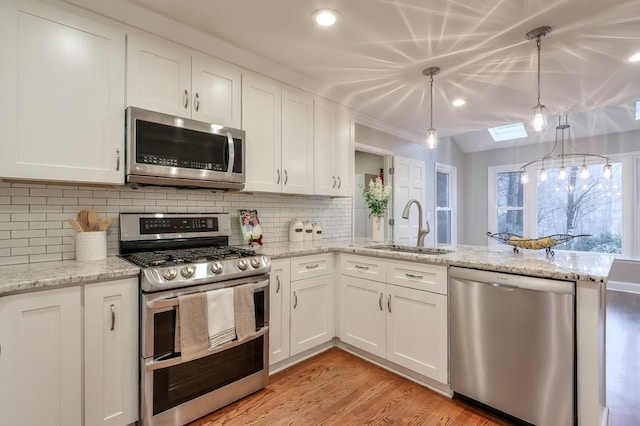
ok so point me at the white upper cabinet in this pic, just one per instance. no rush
(62, 86)
(333, 149)
(278, 122)
(166, 77)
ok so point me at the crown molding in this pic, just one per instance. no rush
(388, 128)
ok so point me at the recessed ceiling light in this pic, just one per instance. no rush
(635, 58)
(325, 17)
(458, 102)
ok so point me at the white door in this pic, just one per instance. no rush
(325, 117)
(40, 362)
(297, 141)
(312, 312)
(408, 184)
(261, 120)
(279, 294)
(111, 352)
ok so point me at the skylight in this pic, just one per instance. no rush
(638, 110)
(510, 131)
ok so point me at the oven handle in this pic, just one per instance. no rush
(155, 365)
(173, 301)
(232, 154)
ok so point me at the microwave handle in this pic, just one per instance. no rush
(232, 154)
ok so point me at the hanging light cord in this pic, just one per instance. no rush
(538, 44)
(431, 103)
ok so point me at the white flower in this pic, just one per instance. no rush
(377, 197)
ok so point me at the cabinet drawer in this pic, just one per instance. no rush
(419, 276)
(370, 268)
(311, 266)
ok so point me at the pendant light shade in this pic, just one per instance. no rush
(432, 136)
(539, 118)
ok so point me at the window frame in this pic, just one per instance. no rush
(630, 197)
(452, 172)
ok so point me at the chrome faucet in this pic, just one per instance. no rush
(421, 231)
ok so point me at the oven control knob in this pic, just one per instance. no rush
(187, 271)
(169, 274)
(255, 262)
(216, 267)
(243, 264)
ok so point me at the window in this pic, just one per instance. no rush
(445, 191)
(580, 204)
(508, 132)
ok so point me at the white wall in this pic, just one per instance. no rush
(34, 228)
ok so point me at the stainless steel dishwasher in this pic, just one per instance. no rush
(512, 344)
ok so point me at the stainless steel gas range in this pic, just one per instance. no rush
(181, 255)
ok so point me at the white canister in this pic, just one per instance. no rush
(317, 232)
(308, 231)
(91, 246)
(296, 231)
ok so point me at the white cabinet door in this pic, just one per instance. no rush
(325, 118)
(297, 142)
(279, 314)
(344, 158)
(417, 331)
(158, 75)
(216, 91)
(62, 85)
(111, 353)
(362, 319)
(262, 123)
(40, 358)
(312, 312)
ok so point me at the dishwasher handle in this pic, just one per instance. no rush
(504, 280)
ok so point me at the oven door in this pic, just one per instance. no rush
(164, 148)
(175, 391)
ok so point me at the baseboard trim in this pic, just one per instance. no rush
(622, 286)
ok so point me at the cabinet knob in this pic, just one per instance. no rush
(113, 317)
(278, 181)
(339, 182)
(334, 181)
(186, 99)
(278, 286)
(380, 302)
(389, 303)
(196, 102)
(295, 300)
(286, 177)
(117, 160)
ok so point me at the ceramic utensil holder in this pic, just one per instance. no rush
(91, 246)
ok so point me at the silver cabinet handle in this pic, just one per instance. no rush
(278, 286)
(232, 154)
(186, 98)
(380, 302)
(364, 268)
(419, 277)
(278, 181)
(312, 266)
(295, 300)
(334, 181)
(113, 317)
(196, 102)
(117, 160)
(389, 303)
(339, 182)
(286, 177)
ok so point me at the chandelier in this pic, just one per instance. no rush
(432, 136)
(562, 156)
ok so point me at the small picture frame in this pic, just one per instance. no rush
(249, 224)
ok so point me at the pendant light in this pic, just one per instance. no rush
(432, 137)
(539, 119)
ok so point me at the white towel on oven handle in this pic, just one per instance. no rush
(220, 316)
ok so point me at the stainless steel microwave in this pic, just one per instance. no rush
(175, 151)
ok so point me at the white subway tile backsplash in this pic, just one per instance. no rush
(34, 232)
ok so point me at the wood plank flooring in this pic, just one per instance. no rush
(337, 388)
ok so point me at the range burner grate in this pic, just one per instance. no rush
(193, 255)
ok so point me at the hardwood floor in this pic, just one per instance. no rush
(337, 388)
(623, 358)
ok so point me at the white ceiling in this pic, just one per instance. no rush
(376, 53)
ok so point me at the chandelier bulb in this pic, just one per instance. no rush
(539, 119)
(432, 138)
(562, 175)
(584, 171)
(607, 172)
(524, 177)
(543, 174)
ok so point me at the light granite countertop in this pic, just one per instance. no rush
(565, 265)
(43, 275)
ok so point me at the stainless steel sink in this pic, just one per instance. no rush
(410, 249)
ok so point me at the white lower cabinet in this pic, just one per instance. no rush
(279, 314)
(41, 359)
(111, 352)
(407, 326)
(312, 302)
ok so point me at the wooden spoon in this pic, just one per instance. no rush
(105, 223)
(75, 225)
(92, 219)
(83, 220)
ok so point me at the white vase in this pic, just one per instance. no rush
(377, 228)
